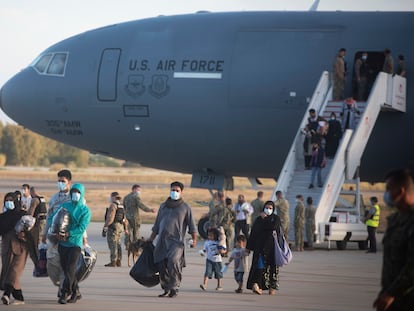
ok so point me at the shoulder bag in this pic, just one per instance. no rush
(283, 254)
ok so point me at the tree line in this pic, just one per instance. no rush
(20, 146)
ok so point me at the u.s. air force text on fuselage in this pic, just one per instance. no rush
(186, 65)
(154, 76)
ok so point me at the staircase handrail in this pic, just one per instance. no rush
(333, 183)
(318, 99)
(377, 98)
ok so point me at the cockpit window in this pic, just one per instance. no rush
(57, 65)
(41, 63)
(51, 64)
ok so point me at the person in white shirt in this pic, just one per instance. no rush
(213, 250)
(26, 197)
(243, 212)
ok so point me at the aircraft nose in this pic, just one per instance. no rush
(1, 100)
(12, 98)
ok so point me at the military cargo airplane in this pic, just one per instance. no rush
(213, 94)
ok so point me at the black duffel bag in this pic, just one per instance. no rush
(145, 271)
(86, 263)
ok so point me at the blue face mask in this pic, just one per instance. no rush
(61, 185)
(387, 199)
(174, 195)
(9, 205)
(76, 196)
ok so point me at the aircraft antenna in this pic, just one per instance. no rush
(314, 6)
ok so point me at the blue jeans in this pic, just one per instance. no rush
(213, 267)
(316, 170)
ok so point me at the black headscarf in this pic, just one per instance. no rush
(18, 195)
(9, 218)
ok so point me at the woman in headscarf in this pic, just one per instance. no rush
(264, 274)
(13, 251)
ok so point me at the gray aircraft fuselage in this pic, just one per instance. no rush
(223, 92)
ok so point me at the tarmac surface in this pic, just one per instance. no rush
(321, 279)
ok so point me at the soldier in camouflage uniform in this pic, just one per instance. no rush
(257, 205)
(133, 204)
(310, 226)
(115, 223)
(299, 222)
(397, 278)
(223, 216)
(213, 202)
(339, 74)
(282, 206)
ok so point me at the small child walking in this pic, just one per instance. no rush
(213, 250)
(239, 255)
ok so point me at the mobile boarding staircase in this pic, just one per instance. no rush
(336, 224)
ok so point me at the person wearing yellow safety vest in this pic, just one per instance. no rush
(372, 221)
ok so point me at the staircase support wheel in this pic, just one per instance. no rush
(363, 245)
(341, 245)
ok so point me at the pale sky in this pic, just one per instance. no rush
(28, 27)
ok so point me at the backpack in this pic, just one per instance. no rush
(119, 214)
(40, 209)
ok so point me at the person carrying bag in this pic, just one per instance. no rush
(145, 271)
(283, 254)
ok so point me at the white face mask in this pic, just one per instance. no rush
(76, 196)
(174, 195)
(61, 185)
(9, 205)
(268, 211)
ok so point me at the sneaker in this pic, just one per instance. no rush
(257, 289)
(75, 297)
(173, 293)
(203, 287)
(239, 290)
(219, 288)
(5, 299)
(310, 186)
(62, 300)
(18, 302)
(164, 294)
(111, 264)
(118, 263)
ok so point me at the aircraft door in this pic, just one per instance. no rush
(374, 64)
(107, 75)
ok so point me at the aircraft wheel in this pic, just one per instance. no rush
(203, 225)
(341, 245)
(363, 245)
